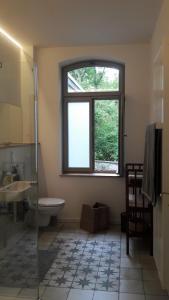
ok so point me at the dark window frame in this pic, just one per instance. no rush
(90, 97)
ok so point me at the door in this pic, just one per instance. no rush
(165, 171)
(161, 114)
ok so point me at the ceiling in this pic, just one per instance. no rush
(79, 22)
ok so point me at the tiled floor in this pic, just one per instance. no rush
(85, 264)
(81, 266)
(18, 265)
(96, 267)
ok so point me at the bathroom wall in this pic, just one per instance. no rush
(16, 94)
(9, 72)
(27, 98)
(78, 190)
(10, 124)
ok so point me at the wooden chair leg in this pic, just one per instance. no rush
(127, 244)
(127, 238)
(151, 232)
(151, 248)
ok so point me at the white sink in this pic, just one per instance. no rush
(14, 192)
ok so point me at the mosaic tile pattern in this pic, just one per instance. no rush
(84, 264)
(18, 267)
(97, 263)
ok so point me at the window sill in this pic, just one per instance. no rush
(90, 175)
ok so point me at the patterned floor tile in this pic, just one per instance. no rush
(44, 282)
(91, 264)
(60, 284)
(79, 276)
(106, 285)
(83, 284)
(88, 269)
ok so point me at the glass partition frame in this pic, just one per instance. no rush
(19, 238)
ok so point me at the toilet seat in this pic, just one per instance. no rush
(50, 202)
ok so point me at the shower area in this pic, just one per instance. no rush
(19, 275)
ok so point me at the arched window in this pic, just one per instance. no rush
(93, 113)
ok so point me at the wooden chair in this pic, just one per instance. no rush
(139, 213)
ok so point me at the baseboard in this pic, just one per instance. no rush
(68, 220)
(72, 220)
(116, 221)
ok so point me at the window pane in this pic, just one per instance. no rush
(78, 135)
(93, 79)
(106, 135)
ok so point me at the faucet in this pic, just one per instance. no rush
(15, 173)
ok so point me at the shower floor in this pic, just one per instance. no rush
(19, 262)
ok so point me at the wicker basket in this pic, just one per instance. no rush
(94, 219)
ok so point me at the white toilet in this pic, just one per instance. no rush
(48, 207)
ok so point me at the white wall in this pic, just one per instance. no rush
(9, 72)
(162, 29)
(78, 190)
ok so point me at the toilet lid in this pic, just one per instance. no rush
(50, 201)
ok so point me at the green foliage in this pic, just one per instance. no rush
(93, 79)
(106, 111)
(106, 130)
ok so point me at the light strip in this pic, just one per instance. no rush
(9, 37)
